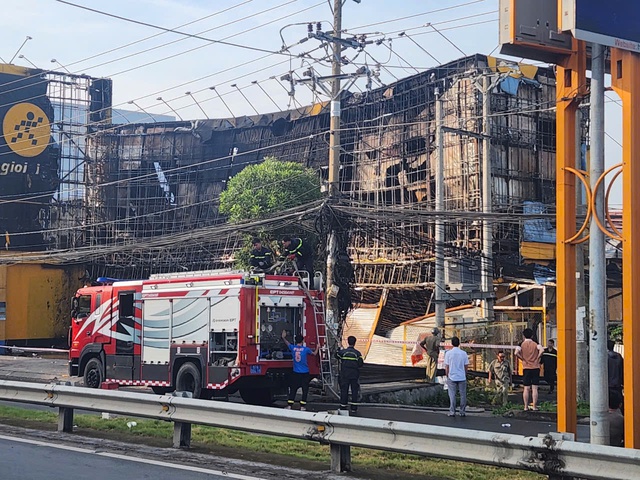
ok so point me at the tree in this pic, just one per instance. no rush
(268, 187)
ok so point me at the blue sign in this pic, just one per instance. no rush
(255, 369)
(615, 23)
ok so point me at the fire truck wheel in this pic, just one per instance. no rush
(93, 376)
(189, 379)
(257, 396)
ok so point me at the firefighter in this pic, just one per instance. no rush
(261, 257)
(350, 364)
(295, 249)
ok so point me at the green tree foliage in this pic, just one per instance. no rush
(268, 187)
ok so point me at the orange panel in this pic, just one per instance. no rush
(570, 85)
(625, 78)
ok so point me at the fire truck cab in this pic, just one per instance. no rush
(209, 332)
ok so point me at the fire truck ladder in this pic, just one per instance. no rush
(326, 366)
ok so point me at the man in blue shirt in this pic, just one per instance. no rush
(300, 377)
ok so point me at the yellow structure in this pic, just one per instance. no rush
(571, 86)
(36, 300)
(625, 79)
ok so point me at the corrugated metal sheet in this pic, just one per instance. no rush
(384, 353)
(360, 323)
(537, 251)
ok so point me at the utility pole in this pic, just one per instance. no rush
(487, 230)
(597, 264)
(439, 233)
(333, 313)
(582, 348)
(333, 241)
(334, 134)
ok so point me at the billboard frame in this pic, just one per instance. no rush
(568, 22)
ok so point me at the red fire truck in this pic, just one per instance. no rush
(209, 333)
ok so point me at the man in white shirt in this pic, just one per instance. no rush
(456, 363)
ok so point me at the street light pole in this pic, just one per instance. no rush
(21, 56)
(53, 60)
(18, 51)
(222, 100)
(189, 94)
(133, 102)
(160, 99)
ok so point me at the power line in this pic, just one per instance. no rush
(171, 30)
(248, 62)
(171, 56)
(255, 14)
(393, 20)
(233, 68)
(121, 47)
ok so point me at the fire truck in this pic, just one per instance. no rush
(211, 333)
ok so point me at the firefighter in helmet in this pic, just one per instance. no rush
(261, 257)
(297, 250)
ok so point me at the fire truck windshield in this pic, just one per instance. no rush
(81, 306)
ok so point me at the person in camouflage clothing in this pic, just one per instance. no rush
(500, 373)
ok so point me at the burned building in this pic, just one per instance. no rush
(147, 194)
(161, 181)
(47, 117)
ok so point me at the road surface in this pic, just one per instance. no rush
(24, 458)
(32, 454)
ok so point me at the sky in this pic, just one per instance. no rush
(146, 62)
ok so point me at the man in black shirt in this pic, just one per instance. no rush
(616, 420)
(299, 251)
(549, 360)
(615, 367)
(261, 258)
(350, 363)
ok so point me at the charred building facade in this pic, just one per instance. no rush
(150, 191)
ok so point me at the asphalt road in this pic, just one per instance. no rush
(486, 422)
(36, 454)
(24, 458)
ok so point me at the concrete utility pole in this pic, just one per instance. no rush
(334, 165)
(582, 349)
(439, 233)
(334, 139)
(597, 263)
(487, 229)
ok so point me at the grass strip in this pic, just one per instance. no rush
(233, 440)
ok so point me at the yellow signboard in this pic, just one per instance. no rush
(26, 129)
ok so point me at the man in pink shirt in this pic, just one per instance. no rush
(530, 352)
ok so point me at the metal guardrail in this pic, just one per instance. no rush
(547, 455)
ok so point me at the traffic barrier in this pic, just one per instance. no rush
(549, 454)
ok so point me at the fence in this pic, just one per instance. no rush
(550, 454)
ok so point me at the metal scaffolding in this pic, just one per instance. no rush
(143, 198)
